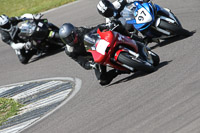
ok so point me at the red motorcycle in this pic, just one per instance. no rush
(121, 52)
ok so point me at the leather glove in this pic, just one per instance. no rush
(28, 45)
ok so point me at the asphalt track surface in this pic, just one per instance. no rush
(166, 101)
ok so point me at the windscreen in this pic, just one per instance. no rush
(27, 28)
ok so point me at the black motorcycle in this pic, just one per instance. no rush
(39, 35)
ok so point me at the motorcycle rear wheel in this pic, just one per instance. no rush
(127, 59)
(175, 29)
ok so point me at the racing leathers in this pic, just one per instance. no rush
(119, 6)
(10, 36)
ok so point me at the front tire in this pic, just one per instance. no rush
(174, 29)
(155, 58)
(127, 59)
(23, 56)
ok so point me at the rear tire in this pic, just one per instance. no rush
(127, 59)
(175, 29)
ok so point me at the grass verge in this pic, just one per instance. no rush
(8, 108)
(19, 7)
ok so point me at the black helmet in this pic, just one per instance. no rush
(4, 22)
(106, 8)
(67, 34)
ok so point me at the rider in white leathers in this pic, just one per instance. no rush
(9, 35)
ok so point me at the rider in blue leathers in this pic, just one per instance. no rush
(104, 6)
(112, 13)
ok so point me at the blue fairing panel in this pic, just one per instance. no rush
(161, 10)
(149, 8)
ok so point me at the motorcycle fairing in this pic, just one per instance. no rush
(166, 12)
(144, 16)
(111, 40)
(41, 32)
(37, 29)
(161, 11)
(107, 38)
(101, 46)
(27, 28)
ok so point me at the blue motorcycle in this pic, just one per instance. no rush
(153, 21)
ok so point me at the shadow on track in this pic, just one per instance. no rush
(172, 40)
(44, 55)
(139, 74)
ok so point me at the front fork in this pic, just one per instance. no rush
(136, 56)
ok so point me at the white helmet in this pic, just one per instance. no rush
(3, 20)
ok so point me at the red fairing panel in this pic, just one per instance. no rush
(98, 58)
(107, 38)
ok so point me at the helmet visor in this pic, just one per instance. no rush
(70, 40)
(6, 26)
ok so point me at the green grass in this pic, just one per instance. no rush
(8, 108)
(19, 7)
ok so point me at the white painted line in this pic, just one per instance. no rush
(2, 90)
(37, 89)
(16, 128)
(45, 102)
(78, 84)
(38, 80)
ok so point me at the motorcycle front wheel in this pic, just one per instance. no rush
(129, 60)
(155, 58)
(174, 29)
(24, 56)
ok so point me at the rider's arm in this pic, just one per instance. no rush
(15, 20)
(120, 4)
(5, 37)
(91, 36)
(14, 44)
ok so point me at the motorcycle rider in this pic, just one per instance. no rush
(111, 11)
(9, 35)
(108, 9)
(75, 38)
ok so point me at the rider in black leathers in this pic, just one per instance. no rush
(74, 38)
(10, 34)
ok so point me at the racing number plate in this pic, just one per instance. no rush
(143, 16)
(101, 46)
